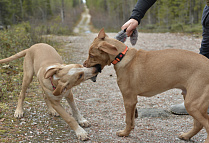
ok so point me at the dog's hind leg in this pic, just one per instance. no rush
(196, 128)
(27, 78)
(197, 108)
(76, 113)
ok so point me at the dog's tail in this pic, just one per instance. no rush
(14, 57)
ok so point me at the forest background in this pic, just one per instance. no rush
(163, 16)
(27, 22)
(23, 22)
(60, 16)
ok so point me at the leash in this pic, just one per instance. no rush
(120, 56)
(52, 83)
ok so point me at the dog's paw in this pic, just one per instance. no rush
(84, 123)
(18, 113)
(54, 113)
(122, 133)
(81, 134)
(183, 136)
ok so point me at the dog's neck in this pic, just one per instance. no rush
(54, 87)
(120, 56)
(53, 80)
(121, 48)
(130, 54)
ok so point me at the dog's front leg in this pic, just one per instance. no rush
(80, 132)
(130, 106)
(76, 113)
(50, 108)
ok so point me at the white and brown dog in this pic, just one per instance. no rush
(56, 80)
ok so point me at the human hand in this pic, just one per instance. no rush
(130, 25)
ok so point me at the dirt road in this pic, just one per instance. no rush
(84, 23)
(101, 102)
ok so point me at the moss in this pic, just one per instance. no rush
(3, 106)
(2, 140)
(1, 115)
(3, 131)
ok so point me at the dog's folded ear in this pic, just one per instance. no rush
(108, 48)
(59, 89)
(51, 71)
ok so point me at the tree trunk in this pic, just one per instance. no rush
(63, 12)
(191, 12)
(21, 9)
(1, 22)
(126, 10)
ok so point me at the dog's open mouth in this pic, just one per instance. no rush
(99, 70)
(98, 67)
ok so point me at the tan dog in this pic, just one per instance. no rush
(147, 73)
(56, 79)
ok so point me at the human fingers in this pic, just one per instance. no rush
(129, 31)
(125, 26)
(130, 25)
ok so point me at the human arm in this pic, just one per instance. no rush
(138, 13)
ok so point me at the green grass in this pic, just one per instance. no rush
(174, 28)
(12, 41)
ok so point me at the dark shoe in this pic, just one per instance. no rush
(179, 109)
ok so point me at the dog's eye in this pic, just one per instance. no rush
(91, 56)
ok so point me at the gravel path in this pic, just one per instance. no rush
(101, 103)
